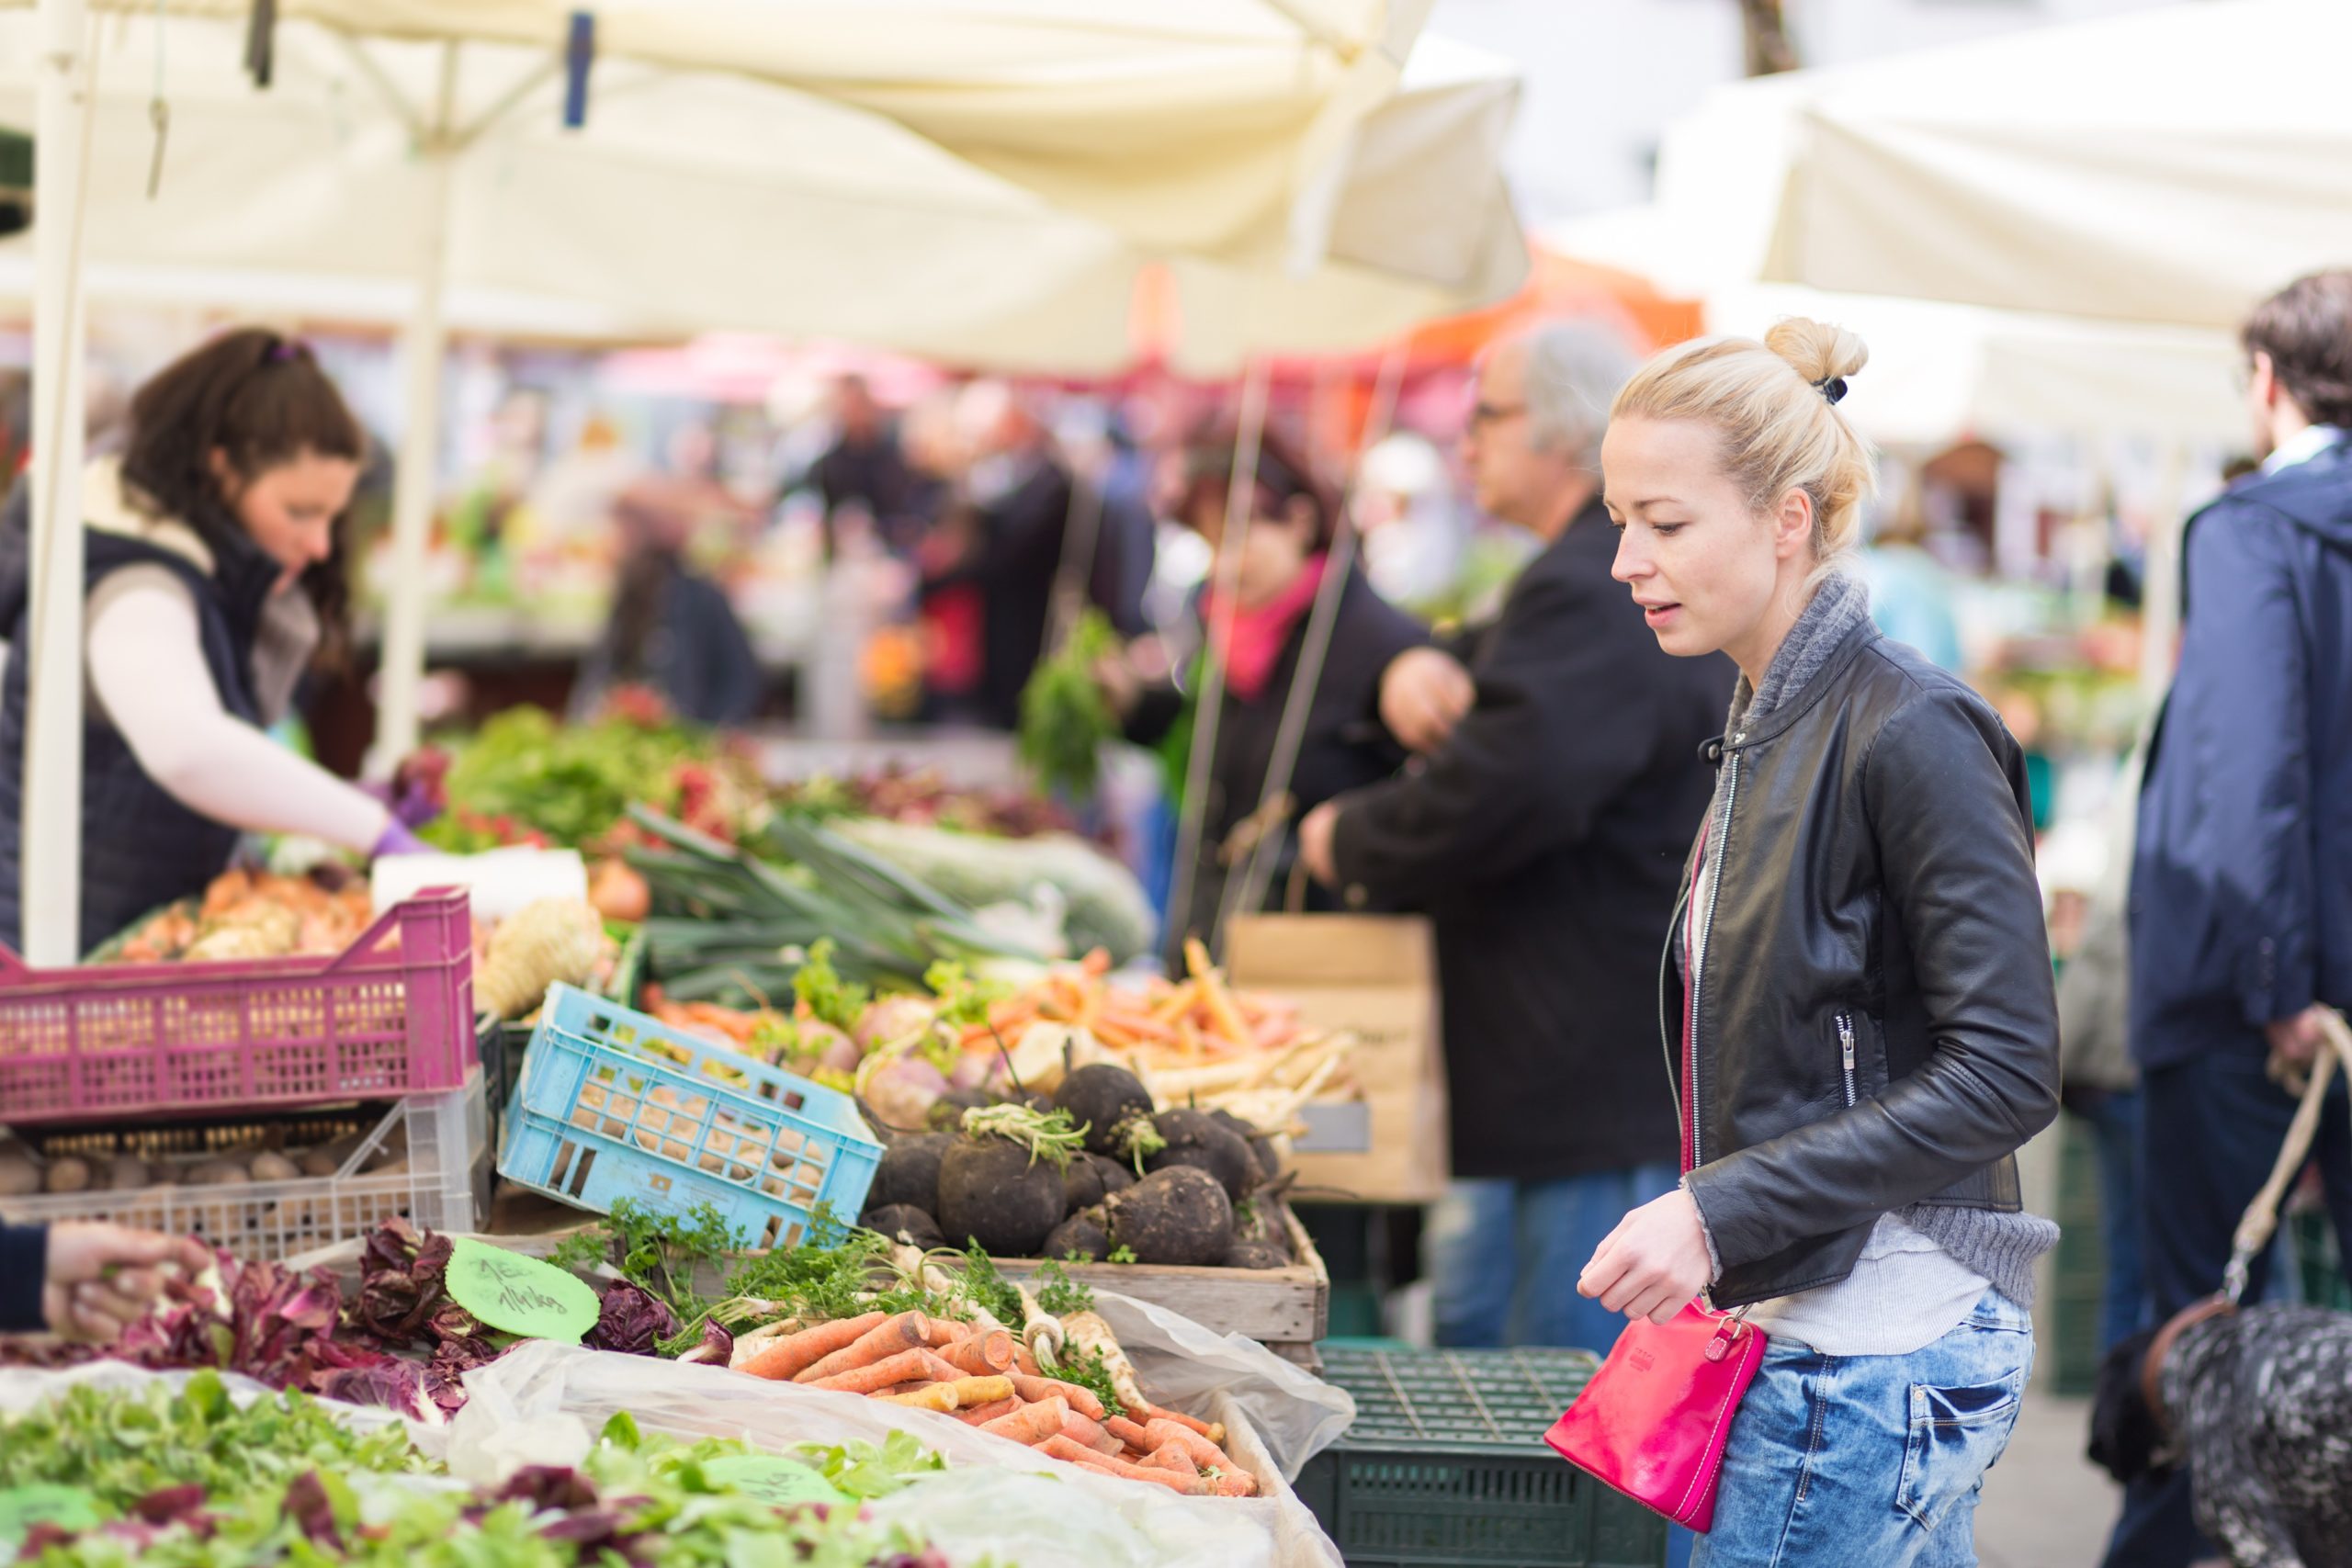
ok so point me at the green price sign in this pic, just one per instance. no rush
(22, 1507)
(519, 1294)
(782, 1482)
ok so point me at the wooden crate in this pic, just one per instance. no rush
(1275, 1306)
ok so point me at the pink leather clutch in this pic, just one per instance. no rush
(1653, 1422)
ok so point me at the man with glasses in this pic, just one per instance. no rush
(1543, 828)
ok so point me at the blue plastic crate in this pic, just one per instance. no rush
(612, 1104)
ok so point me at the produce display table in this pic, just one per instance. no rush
(1445, 1464)
(1286, 1310)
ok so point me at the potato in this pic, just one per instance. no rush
(68, 1175)
(19, 1176)
(319, 1162)
(274, 1167)
(128, 1173)
(219, 1173)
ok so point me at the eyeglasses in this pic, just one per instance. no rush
(1484, 414)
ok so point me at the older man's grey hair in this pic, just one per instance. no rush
(1574, 369)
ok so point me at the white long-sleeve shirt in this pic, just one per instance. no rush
(146, 674)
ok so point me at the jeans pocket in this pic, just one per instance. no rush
(1956, 1434)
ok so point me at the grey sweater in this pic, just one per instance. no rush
(2000, 1248)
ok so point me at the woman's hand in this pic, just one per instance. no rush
(1654, 1262)
(103, 1278)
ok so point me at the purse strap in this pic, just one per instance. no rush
(2261, 1221)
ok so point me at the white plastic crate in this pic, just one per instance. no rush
(445, 1184)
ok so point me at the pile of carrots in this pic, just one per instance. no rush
(1200, 1017)
(983, 1377)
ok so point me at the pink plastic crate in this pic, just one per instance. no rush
(115, 1041)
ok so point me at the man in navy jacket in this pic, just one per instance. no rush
(2241, 918)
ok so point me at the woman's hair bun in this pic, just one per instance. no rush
(1816, 350)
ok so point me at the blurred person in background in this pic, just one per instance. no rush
(2241, 910)
(214, 559)
(1543, 828)
(951, 603)
(1023, 491)
(671, 630)
(1911, 591)
(865, 467)
(1284, 558)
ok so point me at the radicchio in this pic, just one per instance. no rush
(631, 1320)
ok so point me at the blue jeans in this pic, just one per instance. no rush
(1842, 1460)
(1505, 1257)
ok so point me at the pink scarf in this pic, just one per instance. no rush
(1260, 632)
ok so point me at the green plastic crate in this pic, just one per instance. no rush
(1446, 1464)
(2078, 1272)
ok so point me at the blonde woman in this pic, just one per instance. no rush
(1856, 994)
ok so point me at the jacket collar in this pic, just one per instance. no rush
(1754, 729)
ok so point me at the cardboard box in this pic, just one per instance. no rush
(1375, 978)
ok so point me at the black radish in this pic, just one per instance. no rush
(1110, 1102)
(1196, 1138)
(1177, 1215)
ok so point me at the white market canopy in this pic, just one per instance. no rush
(696, 200)
(2171, 165)
(1940, 372)
(977, 181)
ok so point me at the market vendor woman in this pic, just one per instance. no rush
(1284, 558)
(214, 578)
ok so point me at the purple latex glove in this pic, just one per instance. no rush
(398, 840)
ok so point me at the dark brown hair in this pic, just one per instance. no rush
(1281, 477)
(2306, 329)
(261, 400)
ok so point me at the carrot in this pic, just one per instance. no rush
(1173, 1459)
(1180, 1002)
(1135, 1026)
(981, 1414)
(1079, 1430)
(1075, 1453)
(1031, 1423)
(1096, 963)
(1234, 1483)
(887, 1339)
(797, 1352)
(982, 1355)
(907, 1366)
(939, 1333)
(939, 1396)
(1147, 1413)
(1161, 1435)
(1031, 1387)
(1218, 999)
(981, 1391)
(1026, 1362)
(1128, 1433)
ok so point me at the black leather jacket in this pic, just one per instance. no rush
(1875, 1025)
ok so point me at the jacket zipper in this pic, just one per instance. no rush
(1846, 1045)
(1721, 838)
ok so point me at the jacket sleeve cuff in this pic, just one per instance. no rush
(24, 1267)
(1707, 1232)
(2274, 988)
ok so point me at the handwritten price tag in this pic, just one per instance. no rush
(519, 1294)
(22, 1507)
(782, 1482)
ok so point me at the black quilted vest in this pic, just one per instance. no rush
(140, 847)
